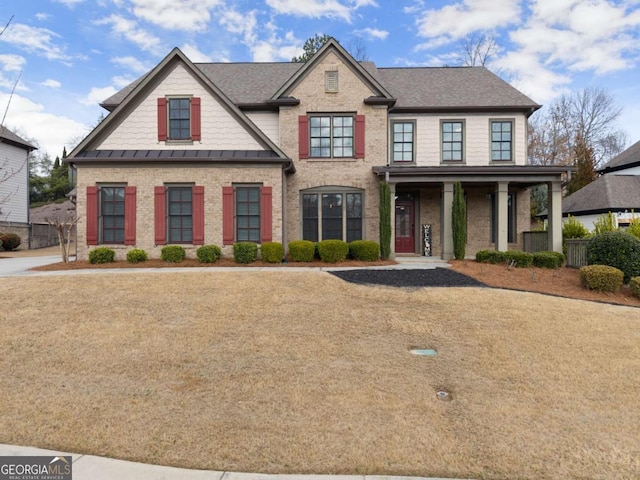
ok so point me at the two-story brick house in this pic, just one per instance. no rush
(222, 152)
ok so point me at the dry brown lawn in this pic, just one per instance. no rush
(293, 372)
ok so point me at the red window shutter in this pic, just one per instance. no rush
(266, 223)
(198, 215)
(162, 119)
(92, 215)
(129, 215)
(227, 216)
(196, 128)
(160, 215)
(303, 136)
(359, 134)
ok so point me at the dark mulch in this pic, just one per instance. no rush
(438, 277)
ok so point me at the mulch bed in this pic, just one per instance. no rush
(438, 277)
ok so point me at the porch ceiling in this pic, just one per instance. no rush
(525, 175)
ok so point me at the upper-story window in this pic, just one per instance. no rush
(331, 136)
(179, 119)
(403, 142)
(501, 140)
(452, 141)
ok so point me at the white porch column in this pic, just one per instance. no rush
(392, 194)
(555, 216)
(502, 214)
(447, 229)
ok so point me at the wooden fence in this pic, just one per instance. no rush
(535, 241)
(43, 235)
(577, 252)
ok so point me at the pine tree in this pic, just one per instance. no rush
(310, 47)
(585, 166)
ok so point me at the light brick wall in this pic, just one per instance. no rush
(335, 172)
(476, 140)
(220, 130)
(213, 178)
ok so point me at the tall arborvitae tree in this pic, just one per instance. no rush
(459, 222)
(585, 165)
(385, 221)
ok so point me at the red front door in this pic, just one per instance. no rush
(405, 228)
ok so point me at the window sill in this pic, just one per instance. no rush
(453, 162)
(179, 142)
(339, 159)
(502, 162)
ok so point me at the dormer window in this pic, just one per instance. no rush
(179, 119)
(331, 81)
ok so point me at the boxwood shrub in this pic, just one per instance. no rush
(245, 252)
(136, 255)
(208, 253)
(616, 249)
(10, 241)
(272, 252)
(333, 251)
(173, 253)
(634, 286)
(601, 277)
(548, 259)
(521, 259)
(490, 256)
(301, 251)
(365, 250)
(102, 255)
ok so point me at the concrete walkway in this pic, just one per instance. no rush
(12, 267)
(89, 467)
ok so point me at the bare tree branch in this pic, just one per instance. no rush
(477, 50)
(6, 26)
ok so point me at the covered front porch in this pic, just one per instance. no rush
(497, 199)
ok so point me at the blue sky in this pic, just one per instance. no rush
(71, 54)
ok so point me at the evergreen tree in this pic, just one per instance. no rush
(310, 47)
(585, 165)
(459, 222)
(385, 221)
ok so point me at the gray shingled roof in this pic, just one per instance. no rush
(606, 193)
(424, 87)
(11, 137)
(627, 158)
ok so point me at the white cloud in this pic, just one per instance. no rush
(130, 30)
(460, 19)
(51, 83)
(189, 15)
(42, 16)
(119, 81)
(193, 54)
(372, 33)
(98, 95)
(70, 3)
(243, 23)
(131, 63)
(49, 130)
(318, 8)
(40, 41)
(12, 63)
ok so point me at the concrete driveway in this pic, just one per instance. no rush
(11, 267)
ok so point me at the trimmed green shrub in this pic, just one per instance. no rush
(573, 228)
(601, 277)
(459, 222)
(490, 256)
(102, 255)
(548, 259)
(634, 286)
(136, 255)
(173, 253)
(302, 251)
(208, 253)
(365, 250)
(272, 252)
(245, 252)
(605, 223)
(521, 259)
(10, 241)
(616, 249)
(333, 251)
(385, 220)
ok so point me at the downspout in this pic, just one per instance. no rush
(284, 210)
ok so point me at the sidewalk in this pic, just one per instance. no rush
(11, 267)
(89, 467)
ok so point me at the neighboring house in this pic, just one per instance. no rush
(14, 184)
(616, 190)
(216, 153)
